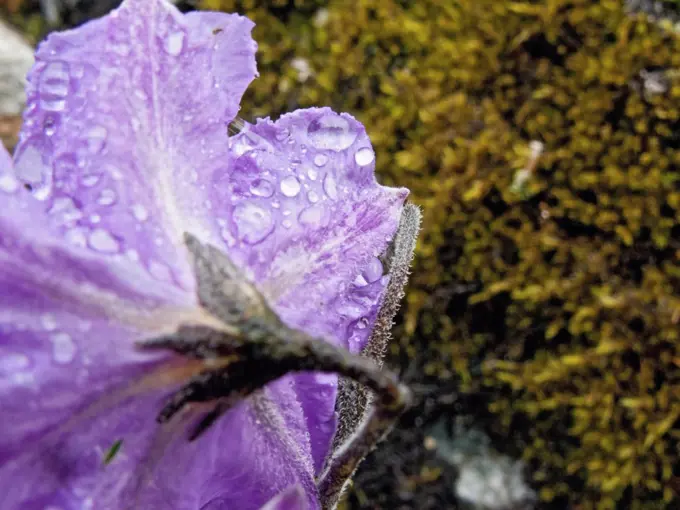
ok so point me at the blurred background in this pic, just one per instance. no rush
(541, 138)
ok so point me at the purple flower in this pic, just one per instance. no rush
(124, 193)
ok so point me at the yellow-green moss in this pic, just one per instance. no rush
(572, 246)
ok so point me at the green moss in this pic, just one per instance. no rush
(572, 245)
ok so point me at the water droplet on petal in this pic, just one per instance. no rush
(262, 188)
(364, 156)
(14, 362)
(349, 310)
(174, 43)
(320, 159)
(29, 166)
(313, 197)
(140, 212)
(360, 281)
(290, 186)
(54, 86)
(330, 187)
(48, 322)
(331, 132)
(313, 216)
(282, 135)
(8, 183)
(373, 271)
(96, 137)
(312, 174)
(160, 271)
(107, 197)
(49, 126)
(63, 348)
(65, 209)
(253, 223)
(76, 236)
(102, 241)
(90, 180)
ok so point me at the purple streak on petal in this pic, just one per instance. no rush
(307, 219)
(66, 326)
(290, 499)
(114, 143)
(241, 462)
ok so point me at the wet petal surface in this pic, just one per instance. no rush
(303, 214)
(113, 143)
(73, 385)
(121, 161)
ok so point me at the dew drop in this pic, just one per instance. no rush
(49, 126)
(14, 362)
(8, 183)
(160, 271)
(66, 209)
(102, 241)
(331, 132)
(282, 135)
(290, 186)
(313, 197)
(240, 145)
(90, 180)
(140, 212)
(320, 159)
(330, 187)
(116, 174)
(54, 86)
(312, 174)
(253, 223)
(63, 348)
(174, 43)
(107, 197)
(349, 310)
(313, 216)
(96, 137)
(287, 223)
(262, 188)
(373, 271)
(29, 166)
(364, 156)
(76, 236)
(360, 281)
(48, 322)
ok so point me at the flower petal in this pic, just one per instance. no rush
(291, 499)
(112, 141)
(307, 219)
(72, 386)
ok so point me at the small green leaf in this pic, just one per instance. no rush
(111, 453)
